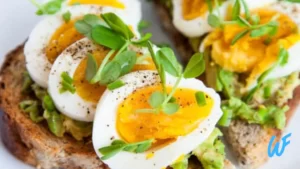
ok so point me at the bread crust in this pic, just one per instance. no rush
(34, 143)
(249, 142)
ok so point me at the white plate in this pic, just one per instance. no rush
(17, 18)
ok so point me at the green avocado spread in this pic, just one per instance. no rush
(41, 108)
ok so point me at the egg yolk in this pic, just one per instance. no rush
(93, 92)
(63, 37)
(249, 52)
(135, 127)
(112, 3)
(192, 9)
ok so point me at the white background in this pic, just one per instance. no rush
(17, 19)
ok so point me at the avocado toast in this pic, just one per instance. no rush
(248, 138)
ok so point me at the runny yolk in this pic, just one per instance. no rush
(64, 36)
(112, 3)
(248, 52)
(87, 91)
(93, 92)
(135, 127)
(192, 9)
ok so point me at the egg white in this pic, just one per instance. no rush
(72, 105)
(105, 123)
(37, 63)
(199, 26)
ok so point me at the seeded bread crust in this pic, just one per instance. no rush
(249, 142)
(34, 143)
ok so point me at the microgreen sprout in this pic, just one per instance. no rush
(165, 61)
(114, 34)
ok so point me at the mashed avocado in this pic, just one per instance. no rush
(211, 153)
(42, 108)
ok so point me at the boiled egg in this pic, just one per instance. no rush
(190, 16)
(253, 56)
(82, 104)
(175, 135)
(52, 35)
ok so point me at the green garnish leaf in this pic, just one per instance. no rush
(236, 10)
(295, 1)
(143, 146)
(283, 56)
(115, 85)
(168, 60)
(195, 67)
(156, 99)
(111, 72)
(247, 11)
(214, 21)
(83, 27)
(144, 39)
(91, 67)
(111, 151)
(200, 97)
(67, 16)
(239, 36)
(170, 108)
(117, 25)
(127, 60)
(265, 30)
(49, 8)
(91, 19)
(119, 145)
(107, 37)
(67, 83)
(255, 19)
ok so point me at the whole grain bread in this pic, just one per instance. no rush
(249, 142)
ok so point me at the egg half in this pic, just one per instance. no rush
(253, 56)
(175, 135)
(82, 104)
(52, 35)
(190, 16)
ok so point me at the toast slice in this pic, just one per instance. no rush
(249, 142)
(34, 143)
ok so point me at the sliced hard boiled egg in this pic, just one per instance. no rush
(52, 35)
(190, 16)
(175, 135)
(82, 104)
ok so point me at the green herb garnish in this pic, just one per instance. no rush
(115, 85)
(165, 61)
(119, 145)
(48, 8)
(67, 83)
(67, 16)
(200, 98)
(114, 34)
(251, 22)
